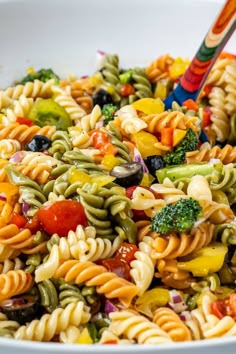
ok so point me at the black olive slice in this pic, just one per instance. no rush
(39, 143)
(21, 309)
(154, 163)
(128, 174)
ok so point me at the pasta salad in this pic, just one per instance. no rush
(117, 216)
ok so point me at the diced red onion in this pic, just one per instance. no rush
(185, 316)
(176, 303)
(18, 156)
(3, 197)
(25, 208)
(175, 297)
(99, 124)
(138, 158)
(100, 59)
(109, 307)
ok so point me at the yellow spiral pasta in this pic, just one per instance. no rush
(156, 122)
(80, 138)
(226, 155)
(30, 89)
(168, 191)
(8, 147)
(88, 122)
(14, 282)
(70, 335)
(131, 325)
(59, 320)
(219, 117)
(91, 274)
(3, 174)
(23, 133)
(170, 323)
(173, 246)
(5, 101)
(159, 68)
(38, 173)
(5, 214)
(7, 252)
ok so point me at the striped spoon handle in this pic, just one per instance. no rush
(215, 40)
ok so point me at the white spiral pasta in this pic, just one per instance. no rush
(50, 324)
(143, 199)
(33, 89)
(7, 324)
(142, 271)
(219, 117)
(130, 122)
(91, 248)
(168, 191)
(107, 336)
(8, 147)
(88, 122)
(19, 108)
(199, 189)
(5, 101)
(70, 335)
(38, 158)
(80, 138)
(131, 325)
(13, 264)
(216, 76)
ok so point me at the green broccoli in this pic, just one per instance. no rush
(178, 217)
(42, 75)
(177, 156)
(108, 110)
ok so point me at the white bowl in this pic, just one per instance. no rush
(65, 35)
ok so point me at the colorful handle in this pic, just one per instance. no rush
(218, 35)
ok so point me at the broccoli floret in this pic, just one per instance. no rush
(177, 156)
(108, 110)
(178, 217)
(42, 75)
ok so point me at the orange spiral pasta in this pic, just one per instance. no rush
(5, 214)
(38, 173)
(7, 252)
(12, 236)
(13, 283)
(3, 174)
(171, 275)
(159, 68)
(226, 155)
(23, 133)
(170, 323)
(91, 274)
(156, 122)
(173, 246)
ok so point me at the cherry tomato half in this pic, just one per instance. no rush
(19, 220)
(62, 216)
(126, 252)
(116, 266)
(33, 224)
(218, 309)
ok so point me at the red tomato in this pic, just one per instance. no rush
(130, 191)
(116, 266)
(126, 252)
(218, 309)
(206, 120)
(126, 90)
(100, 139)
(19, 220)
(62, 216)
(232, 304)
(25, 121)
(33, 224)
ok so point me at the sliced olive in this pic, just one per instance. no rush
(128, 174)
(21, 309)
(39, 143)
(48, 112)
(154, 163)
(101, 98)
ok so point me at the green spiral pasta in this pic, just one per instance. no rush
(226, 233)
(48, 295)
(110, 72)
(7, 328)
(69, 293)
(123, 153)
(142, 84)
(60, 144)
(81, 161)
(32, 262)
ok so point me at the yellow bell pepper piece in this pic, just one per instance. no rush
(147, 180)
(152, 298)
(10, 192)
(102, 180)
(178, 68)
(160, 90)
(79, 176)
(205, 261)
(85, 337)
(178, 135)
(144, 142)
(109, 161)
(149, 105)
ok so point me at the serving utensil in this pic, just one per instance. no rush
(216, 38)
